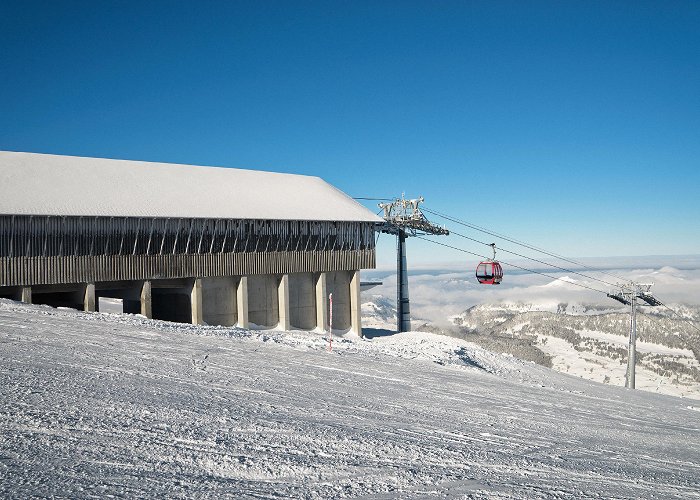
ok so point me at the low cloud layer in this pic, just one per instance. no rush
(439, 293)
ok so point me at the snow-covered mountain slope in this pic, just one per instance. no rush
(581, 339)
(590, 342)
(378, 311)
(98, 405)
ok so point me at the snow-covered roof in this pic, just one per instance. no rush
(42, 184)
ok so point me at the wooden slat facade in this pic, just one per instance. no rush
(38, 250)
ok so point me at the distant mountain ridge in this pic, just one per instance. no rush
(591, 341)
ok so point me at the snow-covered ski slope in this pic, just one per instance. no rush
(98, 405)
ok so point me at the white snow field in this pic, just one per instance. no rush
(99, 405)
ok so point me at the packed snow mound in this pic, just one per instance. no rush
(409, 345)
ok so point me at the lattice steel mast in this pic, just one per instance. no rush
(404, 218)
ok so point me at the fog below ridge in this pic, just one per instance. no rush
(438, 294)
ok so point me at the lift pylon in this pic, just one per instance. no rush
(404, 218)
(629, 294)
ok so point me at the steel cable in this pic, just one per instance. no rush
(526, 245)
(513, 265)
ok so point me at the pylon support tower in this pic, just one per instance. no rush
(629, 294)
(404, 218)
(403, 306)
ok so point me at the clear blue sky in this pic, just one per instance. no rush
(571, 125)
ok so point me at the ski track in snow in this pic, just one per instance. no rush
(98, 405)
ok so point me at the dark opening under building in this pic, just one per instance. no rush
(184, 243)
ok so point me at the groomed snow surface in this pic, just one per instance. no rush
(100, 405)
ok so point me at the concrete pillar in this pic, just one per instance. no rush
(302, 301)
(321, 302)
(196, 298)
(355, 304)
(242, 302)
(146, 300)
(263, 300)
(89, 298)
(25, 294)
(283, 297)
(338, 284)
(219, 300)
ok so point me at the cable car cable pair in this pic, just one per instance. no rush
(526, 245)
(587, 276)
(533, 271)
(490, 272)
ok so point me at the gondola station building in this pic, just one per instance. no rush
(201, 245)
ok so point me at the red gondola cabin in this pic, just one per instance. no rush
(489, 273)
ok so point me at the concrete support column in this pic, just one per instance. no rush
(146, 300)
(321, 302)
(89, 298)
(196, 299)
(242, 302)
(355, 304)
(283, 297)
(25, 294)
